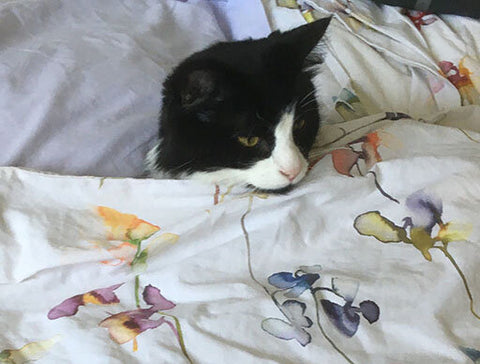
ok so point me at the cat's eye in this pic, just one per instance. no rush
(249, 141)
(299, 124)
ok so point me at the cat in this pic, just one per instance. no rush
(241, 113)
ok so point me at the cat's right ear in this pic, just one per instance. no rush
(289, 50)
(201, 88)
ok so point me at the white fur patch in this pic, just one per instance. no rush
(150, 165)
(284, 167)
(151, 158)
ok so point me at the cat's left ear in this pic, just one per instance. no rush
(202, 87)
(291, 48)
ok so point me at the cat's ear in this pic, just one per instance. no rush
(202, 87)
(291, 48)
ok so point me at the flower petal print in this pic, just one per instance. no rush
(343, 317)
(420, 18)
(454, 231)
(346, 288)
(343, 160)
(427, 211)
(152, 296)
(296, 324)
(370, 149)
(29, 352)
(296, 284)
(370, 311)
(123, 253)
(126, 251)
(372, 223)
(159, 242)
(346, 318)
(294, 311)
(125, 226)
(127, 325)
(348, 105)
(461, 78)
(473, 354)
(69, 307)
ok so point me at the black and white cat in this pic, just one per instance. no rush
(241, 113)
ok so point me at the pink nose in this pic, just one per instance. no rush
(291, 174)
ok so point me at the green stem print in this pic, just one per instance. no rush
(137, 288)
(468, 136)
(417, 230)
(134, 230)
(293, 310)
(444, 250)
(137, 278)
(247, 243)
(127, 325)
(326, 336)
(179, 333)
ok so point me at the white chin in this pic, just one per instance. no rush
(263, 175)
(275, 181)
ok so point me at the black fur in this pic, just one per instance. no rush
(236, 89)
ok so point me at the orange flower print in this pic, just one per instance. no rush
(460, 77)
(126, 251)
(345, 159)
(125, 227)
(123, 253)
(370, 149)
(131, 232)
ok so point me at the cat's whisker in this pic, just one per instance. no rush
(310, 96)
(181, 166)
(306, 96)
(309, 102)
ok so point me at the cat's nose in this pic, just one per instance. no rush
(291, 173)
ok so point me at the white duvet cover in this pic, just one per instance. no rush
(372, 259)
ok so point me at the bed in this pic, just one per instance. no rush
(372, 259)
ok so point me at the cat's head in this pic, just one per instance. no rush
(241, 113)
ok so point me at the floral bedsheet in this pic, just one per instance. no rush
(372, 259)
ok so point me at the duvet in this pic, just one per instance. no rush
(372, 259)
